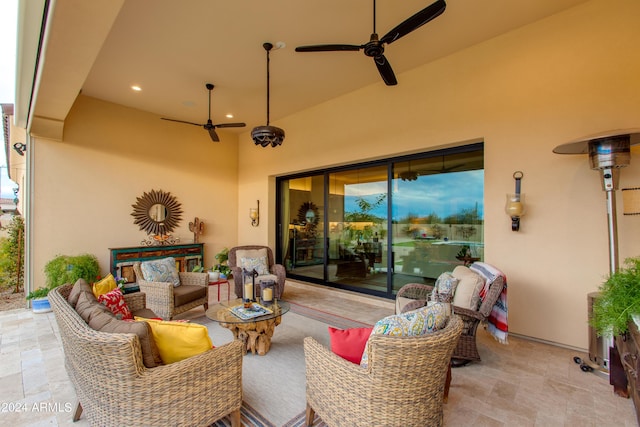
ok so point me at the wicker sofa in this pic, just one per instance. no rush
(114, 387)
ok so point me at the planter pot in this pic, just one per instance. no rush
(214, 276)
(40, 305)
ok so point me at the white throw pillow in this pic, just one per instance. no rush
(470, 284)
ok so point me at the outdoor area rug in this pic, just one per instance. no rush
(298, 421)
(325, 317)
(249, 418)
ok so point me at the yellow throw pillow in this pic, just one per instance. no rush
(178, 340)
(105, 285)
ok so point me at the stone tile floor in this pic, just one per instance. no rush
(524, 383)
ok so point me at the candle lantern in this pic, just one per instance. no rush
(249, 284)
(267, 290)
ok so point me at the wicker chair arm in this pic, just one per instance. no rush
(465, 312)
(323, 364)
(159, 297)
(415, 291)
(281, 274)
(191, 278)
(492, 296)
(414, 305)
(136, 300)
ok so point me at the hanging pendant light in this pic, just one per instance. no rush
(267, 135)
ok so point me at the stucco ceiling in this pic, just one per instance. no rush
(172, 48)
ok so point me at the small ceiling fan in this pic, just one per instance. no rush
(209, 126)
(375, 47)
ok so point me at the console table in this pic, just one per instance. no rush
(187, 257)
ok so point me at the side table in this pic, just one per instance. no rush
(219, 283)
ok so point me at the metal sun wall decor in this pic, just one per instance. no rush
(158, 213)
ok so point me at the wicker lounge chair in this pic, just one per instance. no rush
(466, 351)
(114, 388)
(277, 271)
(402, 386)
(167, 301)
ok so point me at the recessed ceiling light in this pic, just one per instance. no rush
(229, 116)
(136, 88)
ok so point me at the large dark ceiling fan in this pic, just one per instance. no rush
(209, 126)
(375, 47)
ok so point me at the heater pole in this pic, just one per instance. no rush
(612, 218)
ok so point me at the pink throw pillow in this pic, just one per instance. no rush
(349, 343)
(114, 301)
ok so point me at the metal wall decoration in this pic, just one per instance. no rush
(197, 228)
(158, 213)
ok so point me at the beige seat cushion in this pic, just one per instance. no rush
(106, 322)
(86, 302)
(470, 284)
(186, 293)
(80, 286)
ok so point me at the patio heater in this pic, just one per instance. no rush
(608, 153)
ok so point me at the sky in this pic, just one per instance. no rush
(443, 194)
(8, 21)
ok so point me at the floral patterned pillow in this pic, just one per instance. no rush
(259, 264)
(430, 318)
(115, 302)
(445, 287)
(161, 270)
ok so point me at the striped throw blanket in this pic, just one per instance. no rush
(497, 321)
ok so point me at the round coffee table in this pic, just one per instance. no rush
(256, 332)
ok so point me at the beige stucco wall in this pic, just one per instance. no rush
(523, 93)
(85, 186)
(568, 76)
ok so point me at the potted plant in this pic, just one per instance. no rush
(619, 300)
(222, 266)
(60, 270)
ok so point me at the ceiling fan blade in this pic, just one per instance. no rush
(414, 22)
(328, 48)
(385, 70)
(213, 134)
(182, 121)
(230, 125)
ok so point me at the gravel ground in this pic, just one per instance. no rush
(11, 301)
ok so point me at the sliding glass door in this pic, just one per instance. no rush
(374, 227)
(357, 228)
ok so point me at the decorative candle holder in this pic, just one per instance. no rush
(267, 290)
(249, 285)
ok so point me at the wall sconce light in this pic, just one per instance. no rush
(254, 214)
(515, 203)
(20, 148)
(631, 201)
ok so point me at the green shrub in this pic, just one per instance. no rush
(68, 269)
(12, 256)
(619, 299)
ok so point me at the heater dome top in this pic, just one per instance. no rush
(581, 146)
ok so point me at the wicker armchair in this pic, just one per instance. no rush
(167, 301)
(114, 388)
(276, 270)
(402, 386)
(466, 351)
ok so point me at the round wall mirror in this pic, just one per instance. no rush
(157, 213)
